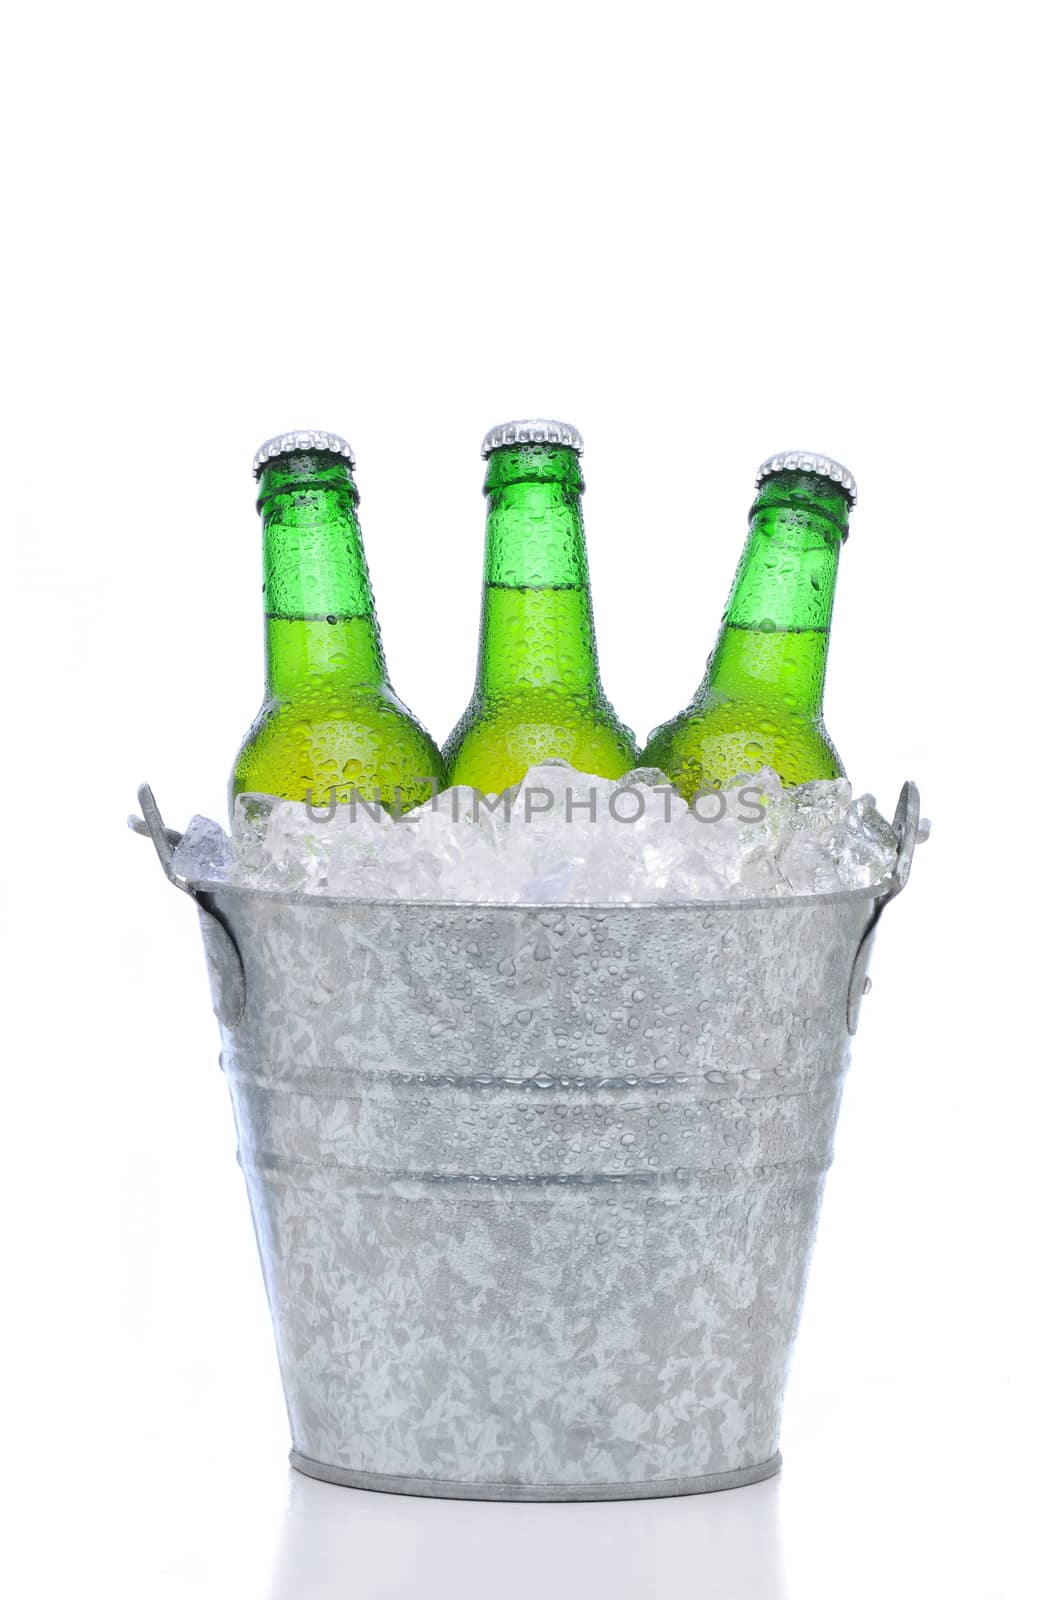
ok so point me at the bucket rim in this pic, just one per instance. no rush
(217, 888)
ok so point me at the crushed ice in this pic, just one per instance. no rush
(560, 835)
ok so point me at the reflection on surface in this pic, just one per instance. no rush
(350, 1544)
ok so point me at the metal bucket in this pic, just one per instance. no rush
(535, 1188)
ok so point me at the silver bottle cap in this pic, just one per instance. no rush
(531, 430)
(285, 444)
(808, 461)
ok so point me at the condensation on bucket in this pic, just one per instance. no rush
(535, 1189)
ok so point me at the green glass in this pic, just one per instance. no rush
(538, 695)
(761, 700)
(330, 725)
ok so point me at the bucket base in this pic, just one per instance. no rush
(454, 1489)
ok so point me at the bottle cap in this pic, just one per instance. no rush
(531, 430)
(285, 444)
(808, 461)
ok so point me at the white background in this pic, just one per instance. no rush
(703, 234)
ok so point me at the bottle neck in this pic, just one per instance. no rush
(321, 628)
(775, 631)
(537, 628)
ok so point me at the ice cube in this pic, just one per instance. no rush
(205, 852)
(562, 835)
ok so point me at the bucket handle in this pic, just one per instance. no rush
(906, 827)
(228, 984)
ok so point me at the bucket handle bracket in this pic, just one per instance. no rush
(906, 827)
(228, 982)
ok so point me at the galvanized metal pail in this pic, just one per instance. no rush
(535, 1187)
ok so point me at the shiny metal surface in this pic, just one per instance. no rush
(535, 1188)
(808, 461)
(301, 439)
(462, 1489)
(531, 430)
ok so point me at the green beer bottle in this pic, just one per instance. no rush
(760, 702)
(330, 723)
(538, 694)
